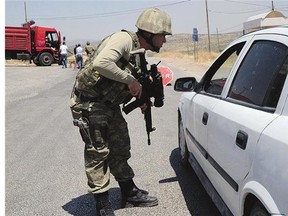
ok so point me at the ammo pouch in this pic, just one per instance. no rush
(90, 86)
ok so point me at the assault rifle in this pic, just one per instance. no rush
(152, 86)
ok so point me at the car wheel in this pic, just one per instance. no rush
(258, 210)
(182, 144)
(45, 59)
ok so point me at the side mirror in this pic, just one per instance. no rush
(185, 84)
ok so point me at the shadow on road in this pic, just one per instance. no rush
(85, 205)
(198, 201)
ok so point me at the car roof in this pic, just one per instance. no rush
(283, 30)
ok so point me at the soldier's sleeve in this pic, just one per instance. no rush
(118, 45)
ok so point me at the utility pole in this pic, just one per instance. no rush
(273, 6)
(25, 12)
(218, 40)
(207, 18)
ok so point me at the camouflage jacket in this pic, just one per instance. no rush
(108, 70)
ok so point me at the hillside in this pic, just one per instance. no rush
(182, 43)
(181, 46)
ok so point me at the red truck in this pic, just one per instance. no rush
(40, 44)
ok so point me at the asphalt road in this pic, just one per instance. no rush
(44, 165)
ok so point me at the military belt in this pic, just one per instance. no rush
(90, 99)
(84, 98)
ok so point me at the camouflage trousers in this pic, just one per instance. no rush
(110, 150)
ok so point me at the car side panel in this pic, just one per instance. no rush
(230, 122)
(196, 128)
(270, 167)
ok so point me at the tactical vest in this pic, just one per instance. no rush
(89, 50)
(92, 86)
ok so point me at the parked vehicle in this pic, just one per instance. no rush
(40, 44)
(233, 125)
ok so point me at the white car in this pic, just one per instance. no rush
(233, 125)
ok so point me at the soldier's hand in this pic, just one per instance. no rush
(135, 89)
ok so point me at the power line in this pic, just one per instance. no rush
(263, 7)
(229, 28)
(236, 12)
(242, 12)
(247, 3)
(108, 14)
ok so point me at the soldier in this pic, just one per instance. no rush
(101, 86)
(88, 49)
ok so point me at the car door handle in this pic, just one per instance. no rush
(205, 118)
(241, 139)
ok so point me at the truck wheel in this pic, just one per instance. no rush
(258, 210)
(45, 59)
(182, 144)
(36, 62)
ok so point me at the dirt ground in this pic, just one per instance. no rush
(181, 63)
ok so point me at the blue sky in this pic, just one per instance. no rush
(93, 20)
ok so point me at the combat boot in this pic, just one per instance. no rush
(141, 190)
(135, 197)
(103, 205)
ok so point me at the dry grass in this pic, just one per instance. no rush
(181, 46)
(202, 57)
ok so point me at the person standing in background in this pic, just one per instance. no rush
(64, 54)
(79, 56)
(74, 51)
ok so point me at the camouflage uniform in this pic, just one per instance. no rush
(112, 142)
(97, 98)
(100, 87)
(89, 50)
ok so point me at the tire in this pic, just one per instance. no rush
(36, 62)
(184, 154)
(258, 210)
(45, 59)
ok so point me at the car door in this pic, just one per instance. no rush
(248, 106)
(199, 109)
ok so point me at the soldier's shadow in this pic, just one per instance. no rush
(85, 205)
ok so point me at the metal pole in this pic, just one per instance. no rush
(194, 51)
(207, 17)
(25, 12)
(218, 39)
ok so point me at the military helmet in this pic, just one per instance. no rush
(87, 43)
(154, 21)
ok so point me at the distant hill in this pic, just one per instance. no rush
(183, 43)
(184, 40)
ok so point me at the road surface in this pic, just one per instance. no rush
(44, 165)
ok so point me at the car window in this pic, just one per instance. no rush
(261, 76)
(217, 74)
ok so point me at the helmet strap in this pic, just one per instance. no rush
(149, 40)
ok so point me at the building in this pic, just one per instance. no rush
(266, 20)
